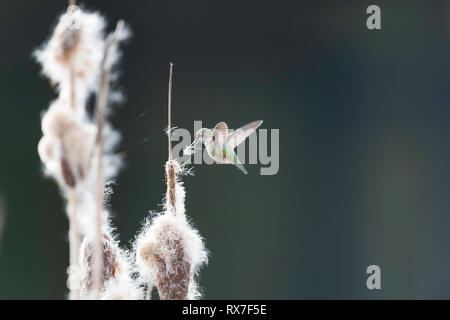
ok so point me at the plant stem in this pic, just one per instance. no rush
(170, 170)
(101, 118)
(102, 101)
(169, 111)
(74, 239)
(101, 114)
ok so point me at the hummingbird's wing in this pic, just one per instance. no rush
(238, 136)
(220, 133)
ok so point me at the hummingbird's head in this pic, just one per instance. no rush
(203, 135)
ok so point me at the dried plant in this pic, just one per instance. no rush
(169, 251)
(77, 151)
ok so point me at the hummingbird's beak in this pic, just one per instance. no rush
(191, 148)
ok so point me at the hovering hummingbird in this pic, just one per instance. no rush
(220, 145)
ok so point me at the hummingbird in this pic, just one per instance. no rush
(220, 145)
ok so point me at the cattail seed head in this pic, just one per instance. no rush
(110, 260)
(74, 52)
(169, 253)
(165, 260)
(67, 144)
(174, 285)
(70, 35)
(117, 282)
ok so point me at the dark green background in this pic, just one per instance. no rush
(364, 144)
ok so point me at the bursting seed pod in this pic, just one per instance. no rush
(116, 281)
(72, 56)
(169, 251)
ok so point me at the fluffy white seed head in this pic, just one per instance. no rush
(170, 246)
(169, 251)
(75, 50)
(67, 145)
(117, 281)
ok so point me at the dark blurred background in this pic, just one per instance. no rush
(364, 144)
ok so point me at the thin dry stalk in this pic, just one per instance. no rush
(171, 183)
(102, 101)
(74, 236)
(74, 239)
(169, 111)
(101, 114)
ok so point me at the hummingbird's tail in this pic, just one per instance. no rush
(241, 167)
(236, 162)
